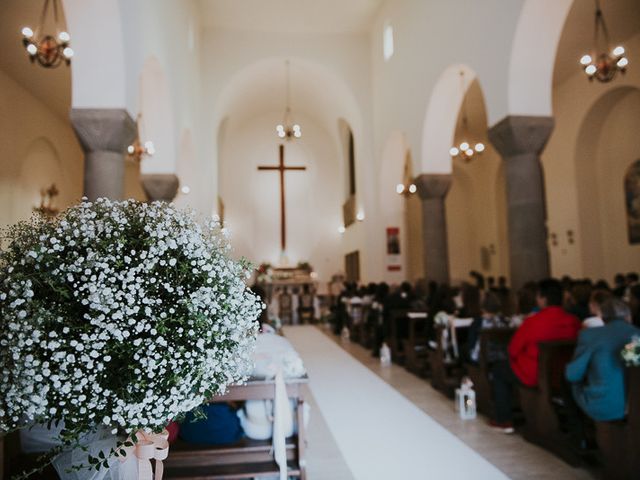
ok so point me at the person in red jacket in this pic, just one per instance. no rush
(549, 324)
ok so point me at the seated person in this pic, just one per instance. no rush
(219, 426)
(597, 299)
(596, 372)
(551, 323)
(490, 318)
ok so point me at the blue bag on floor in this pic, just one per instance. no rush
(221, 426)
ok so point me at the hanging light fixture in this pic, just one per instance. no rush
(603, 63)
(288, 129)
(47, 49)
(466, 150)
(138, 150)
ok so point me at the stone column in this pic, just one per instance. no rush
(520, 140)
(163, 187)
(433, 189)
(104, 135)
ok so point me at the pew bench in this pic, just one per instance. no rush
(246, 459)
(491, 338)
(415, 346)
(618, 441)
(542, 405)
(446, 370)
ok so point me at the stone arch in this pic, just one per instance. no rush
(533, 56)
(600, 172)
(441, 119)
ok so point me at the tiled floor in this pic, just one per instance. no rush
(517, 458)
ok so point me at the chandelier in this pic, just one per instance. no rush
(138, 150)
(47, 49)
(466, 149)
(288, 129)
(604, 62)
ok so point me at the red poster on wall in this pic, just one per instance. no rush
(394, 263)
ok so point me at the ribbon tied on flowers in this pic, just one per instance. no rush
(147, 447)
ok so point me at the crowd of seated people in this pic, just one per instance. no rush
(600, 318)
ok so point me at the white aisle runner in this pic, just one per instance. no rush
(381, 434)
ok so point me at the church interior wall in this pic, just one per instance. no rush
(570, 187)
(38, 148)
(339, 67)
(403, 85)
(313, 197)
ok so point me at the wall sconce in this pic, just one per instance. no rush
(341, 229)
(570, 237)
(360, 216)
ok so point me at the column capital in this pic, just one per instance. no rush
(162, 187)
(516, 135)
(103, 129)
(433, 185)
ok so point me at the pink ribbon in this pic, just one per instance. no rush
(149, 446)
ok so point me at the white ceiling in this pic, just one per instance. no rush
(623, 21)
(51, 86)
(290, 16)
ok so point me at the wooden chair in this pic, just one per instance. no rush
(479, 374)
(13, 461)
(618, 441)
(541, 405)
(415, 347)
(246, 459)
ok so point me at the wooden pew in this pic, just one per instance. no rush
(246, 459)
(415, 346)
(618, 441)
(446, 372)
(397, 331)
(479, 374)
(541, 405)
(14, 462)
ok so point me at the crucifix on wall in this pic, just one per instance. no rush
(282, 168)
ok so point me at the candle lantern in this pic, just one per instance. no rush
(385, 355)
(465, 403)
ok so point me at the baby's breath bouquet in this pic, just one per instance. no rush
(121, 315)
(631, 353)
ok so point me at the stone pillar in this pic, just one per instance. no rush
(433, 189)
(104, 135)
(520, 140)
(163, 187)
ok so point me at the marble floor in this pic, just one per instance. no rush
(511, 454)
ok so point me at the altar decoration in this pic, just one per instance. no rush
(119, 315)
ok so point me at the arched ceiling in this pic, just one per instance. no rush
(623, 21)
(51, 86)
(290, 16)
(315, 91)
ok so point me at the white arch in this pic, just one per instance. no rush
(533, 56)
(441, 118)
(98, 66)
(157, 118)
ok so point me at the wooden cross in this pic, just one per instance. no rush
(281, 167)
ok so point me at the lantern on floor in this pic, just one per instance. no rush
(385, 355)
(345, 335)
(466, 400)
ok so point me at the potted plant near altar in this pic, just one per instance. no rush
(116, 317)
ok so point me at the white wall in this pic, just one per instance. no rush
(313, 197)
(37, 148)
